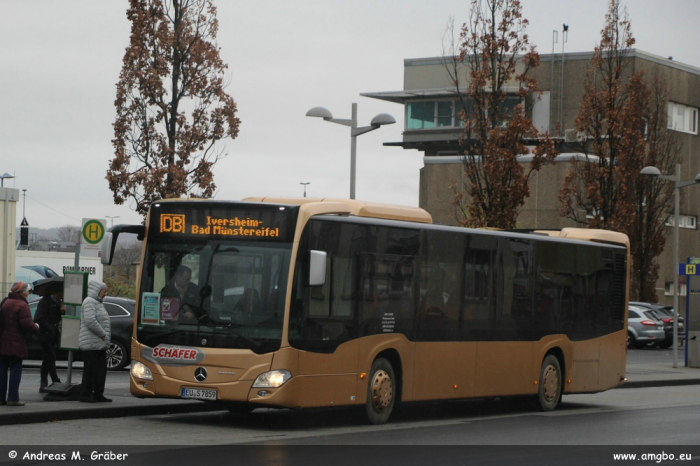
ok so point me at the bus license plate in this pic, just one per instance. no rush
(199, 394)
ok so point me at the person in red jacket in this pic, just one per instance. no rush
(17, 324)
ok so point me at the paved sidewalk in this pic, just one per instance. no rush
(660, 375)
(123, 404)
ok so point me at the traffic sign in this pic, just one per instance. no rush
(92, 234)
(688, 269)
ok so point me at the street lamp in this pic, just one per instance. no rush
(377, 121)
(676, 178)
(111, 219)
(305, 187)
(3, 177)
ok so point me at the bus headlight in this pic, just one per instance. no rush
(272, 379)
(140, 371)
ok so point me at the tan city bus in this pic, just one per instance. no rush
(307, 303)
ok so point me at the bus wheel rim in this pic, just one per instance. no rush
(550, 383)
(382, 391)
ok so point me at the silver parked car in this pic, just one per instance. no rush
(665, 314)
(643, 327)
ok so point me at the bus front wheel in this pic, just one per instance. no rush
(549, 395)
(381, 392)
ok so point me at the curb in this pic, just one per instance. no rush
(659, 383)
(103, 413)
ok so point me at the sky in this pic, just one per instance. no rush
(60, 62)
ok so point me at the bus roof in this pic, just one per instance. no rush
(355, 207)
(587, 234)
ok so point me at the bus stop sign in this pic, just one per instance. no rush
(688, 269)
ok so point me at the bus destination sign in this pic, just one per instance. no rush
(212, 220)
(215, 226)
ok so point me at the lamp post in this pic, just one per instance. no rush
(377, 121)
(676, 178)
(111, 219)
(305, 187)
(3, 177)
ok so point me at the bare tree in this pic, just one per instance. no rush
(171, 106)
(68, 233)
(126, 256)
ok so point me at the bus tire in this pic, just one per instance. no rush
(381, 392)
(549, 394)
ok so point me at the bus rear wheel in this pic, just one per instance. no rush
(549, 395)
(381, 392)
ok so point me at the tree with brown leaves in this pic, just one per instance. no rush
(172, 110)
(652, 197)
(496, 51)
(624, 120)
(594, 189)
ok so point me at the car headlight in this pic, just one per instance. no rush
(140, 371)
(272, 379)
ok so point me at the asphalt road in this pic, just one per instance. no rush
(588, 429)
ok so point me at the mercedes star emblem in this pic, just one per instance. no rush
(200, 374)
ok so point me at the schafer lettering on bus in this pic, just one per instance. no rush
(174, 353)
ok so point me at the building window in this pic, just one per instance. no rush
(684, 221)
(446, 113)
(420, 115)
(668, 289)
(682, 118)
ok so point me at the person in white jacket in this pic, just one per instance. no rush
(94, 340)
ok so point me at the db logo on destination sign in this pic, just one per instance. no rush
(171, 223)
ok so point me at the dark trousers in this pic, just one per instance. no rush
(48, 364)
(13, 365)
(94, 373)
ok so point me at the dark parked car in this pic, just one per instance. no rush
(665, 314)
(121, 312)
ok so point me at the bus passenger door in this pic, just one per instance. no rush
(328, 362)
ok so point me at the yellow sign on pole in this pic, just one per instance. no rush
(92, 234)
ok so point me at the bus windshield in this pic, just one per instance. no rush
(214, 287)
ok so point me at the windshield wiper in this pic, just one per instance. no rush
(256, 344)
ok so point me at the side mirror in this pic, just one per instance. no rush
(108, 245)
(317, 268)
(110, 240)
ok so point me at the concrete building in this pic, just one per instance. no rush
(433, 128)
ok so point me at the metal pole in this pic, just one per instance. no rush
(69, 372)
(676, 284)
(353, 150)
(564, 36)
(555, 39)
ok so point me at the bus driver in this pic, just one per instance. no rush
(180, 287)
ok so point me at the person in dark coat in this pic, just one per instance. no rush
(17, 324)
(48, 316)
